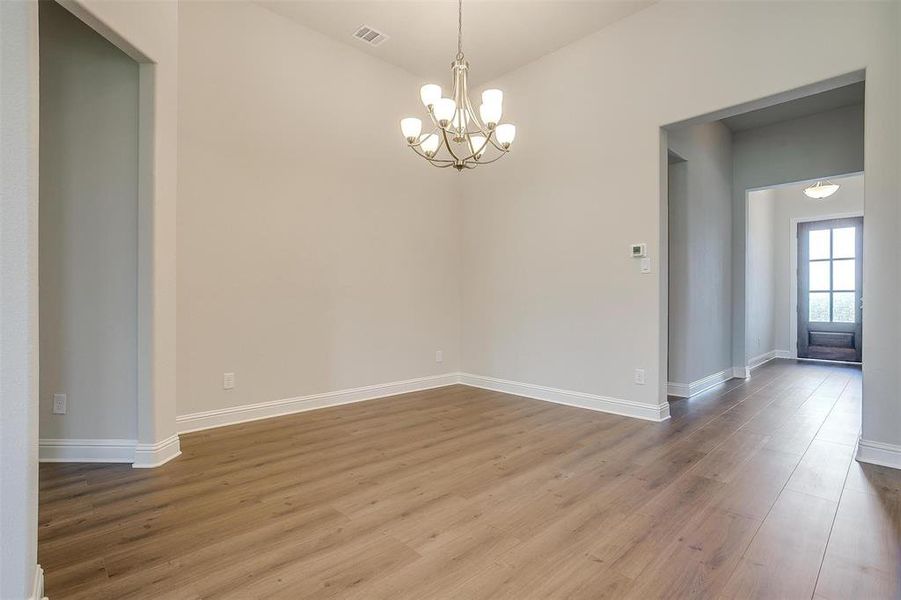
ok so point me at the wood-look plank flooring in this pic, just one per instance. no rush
(749, 491)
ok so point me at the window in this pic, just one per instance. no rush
(832, 275)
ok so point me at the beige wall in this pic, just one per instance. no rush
(88, 231)
(314, 252)
(18, 299)
(550, 295)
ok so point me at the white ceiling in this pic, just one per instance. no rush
(498, 35)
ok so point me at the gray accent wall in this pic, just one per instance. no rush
(700, 281)
(88, 231)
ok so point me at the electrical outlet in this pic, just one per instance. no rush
(228, 381)
(639, 376)
(439, 356)
(60, 404)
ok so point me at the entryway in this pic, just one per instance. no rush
(830, 274)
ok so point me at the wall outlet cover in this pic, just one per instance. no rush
(639, 376)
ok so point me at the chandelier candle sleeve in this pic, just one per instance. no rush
(457, 135)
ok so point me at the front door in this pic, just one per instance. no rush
(830, 306)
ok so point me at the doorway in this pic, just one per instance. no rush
(733, 204)
(830, 277)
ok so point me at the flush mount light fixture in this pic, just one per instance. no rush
(821, 189)
(460, 137)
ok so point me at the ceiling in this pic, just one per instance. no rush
(848, 95)
(498, 35)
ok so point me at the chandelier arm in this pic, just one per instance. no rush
(419, 143)
(501, 148)
(448, 146)
(434, 121)
(432, 159)
(472, 157)
(488, 162)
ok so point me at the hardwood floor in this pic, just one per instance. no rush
(749, 491)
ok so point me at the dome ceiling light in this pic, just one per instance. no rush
(821, 189)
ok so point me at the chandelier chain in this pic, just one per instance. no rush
(459, 29)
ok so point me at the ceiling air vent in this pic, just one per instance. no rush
(370, 36)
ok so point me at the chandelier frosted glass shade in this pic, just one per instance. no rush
(458, 136)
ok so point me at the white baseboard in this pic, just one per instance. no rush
(878, 453)
(767, 357)
(148, 456)
(37, 585)
(89, 451)
(687, 390)
(109, 451)
(264, 410)
(741, 372)
(616, 406)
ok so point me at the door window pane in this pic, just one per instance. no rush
(819, 244)
(819, 275)
(843, 275)
(843, 242)
(843, 307)
(819, 307)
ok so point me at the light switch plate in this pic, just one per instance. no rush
(645, 265)
(228, 381)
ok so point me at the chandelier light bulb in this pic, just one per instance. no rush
(491, 114)
(411, 128)
(492, 97)
(429, 143)
(506, 134)
(444, 111)
(478, 143)
(430, 94)
(821, 190)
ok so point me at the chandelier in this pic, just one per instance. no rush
(459, 137)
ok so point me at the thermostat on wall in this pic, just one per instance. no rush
(639, 250)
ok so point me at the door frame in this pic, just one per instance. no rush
(793, 274)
